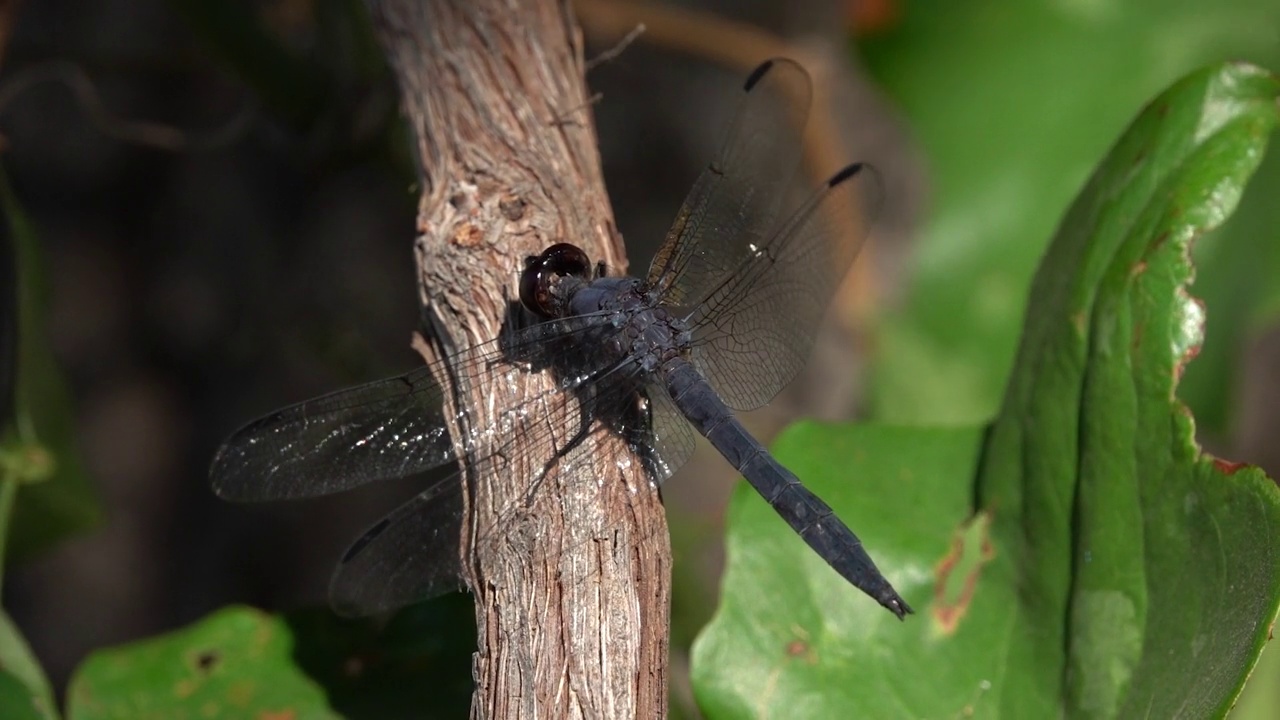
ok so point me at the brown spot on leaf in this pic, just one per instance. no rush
(207, 660)
(800, 649)
(1228, 467)
(1191, 354)
(971, 549)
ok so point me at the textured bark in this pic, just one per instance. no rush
(573, 590)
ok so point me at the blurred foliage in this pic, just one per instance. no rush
(1013, 104)
(308, 664)
(331, 93)
(1261, 699)
(241, 662)
(55, 498)
(24, 690)
(1117, 571)
(234, 664)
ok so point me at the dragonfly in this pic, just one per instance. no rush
(723, 320)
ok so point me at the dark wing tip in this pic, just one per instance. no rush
(845, 173)
(758, 73)
(363, 541)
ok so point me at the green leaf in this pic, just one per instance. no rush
(17, 702)
(1111, 568)
(39, 447)
(1013, 103)
(235, 663)
(1238, 278)
(1261, 699)
(1147, 548)
(791, 638)
(24, 690)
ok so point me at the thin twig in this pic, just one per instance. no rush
(616, 50)
(563, 118)
(135, 132)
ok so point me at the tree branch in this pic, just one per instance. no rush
(572, 595)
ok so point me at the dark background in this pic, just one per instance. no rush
(266, 257)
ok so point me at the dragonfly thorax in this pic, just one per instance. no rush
(642, 331)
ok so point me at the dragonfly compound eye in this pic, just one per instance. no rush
(541, 272)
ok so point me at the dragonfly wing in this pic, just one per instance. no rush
(752, 333)
(738, 199)
(410, 555)
(658, 432)
(414, 552)
(386, 429)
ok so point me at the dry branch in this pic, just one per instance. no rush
(572, 597)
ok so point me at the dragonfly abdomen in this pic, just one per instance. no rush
(806, 513)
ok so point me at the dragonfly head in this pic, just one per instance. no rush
(543, 290)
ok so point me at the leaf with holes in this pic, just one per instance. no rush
(235, 663)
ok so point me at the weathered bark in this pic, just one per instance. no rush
(572, 595)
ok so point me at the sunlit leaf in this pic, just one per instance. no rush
(1081, 557)
(1013, 103)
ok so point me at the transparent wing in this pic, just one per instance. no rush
(752, 332)
(736, 202)
(658, 433)
(413, 553)
(386, 429)
(409, 555)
